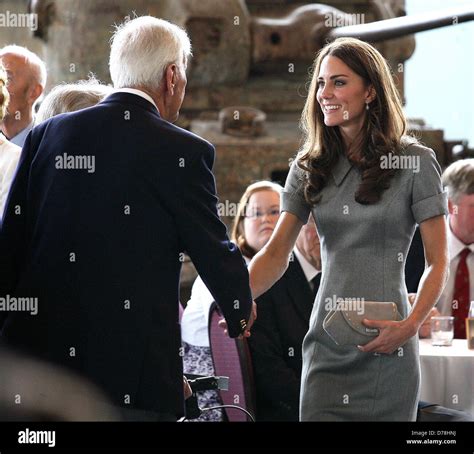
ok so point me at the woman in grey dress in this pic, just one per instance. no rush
(367, 185)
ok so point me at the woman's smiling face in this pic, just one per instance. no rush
(341, 94)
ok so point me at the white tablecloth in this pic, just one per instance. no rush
(447, 375)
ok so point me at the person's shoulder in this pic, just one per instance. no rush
(183, 137)
(57, 120)
(412, 147)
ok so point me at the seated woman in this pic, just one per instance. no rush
(258, 213)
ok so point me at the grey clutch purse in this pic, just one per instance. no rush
(345, 327)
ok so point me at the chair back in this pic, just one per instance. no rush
(231, 358)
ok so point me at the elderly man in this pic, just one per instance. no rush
(104, 203)
(459, 290)
(26, 83)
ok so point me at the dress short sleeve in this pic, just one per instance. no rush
(292, 198)
(428, 197)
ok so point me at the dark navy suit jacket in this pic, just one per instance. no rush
(102, 250)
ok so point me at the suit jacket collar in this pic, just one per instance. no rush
(135, 91)
(341, 169)
(130, 98)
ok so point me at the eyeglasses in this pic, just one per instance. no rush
(259, 214)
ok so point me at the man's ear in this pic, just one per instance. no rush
(35, 93)
(171, 78)
(451, 206)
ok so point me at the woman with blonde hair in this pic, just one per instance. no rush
(367, 185)
(9, 152)
(253, 225)
(72, 97)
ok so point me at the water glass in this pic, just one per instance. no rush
(442, 331)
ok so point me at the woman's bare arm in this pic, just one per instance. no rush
(434, 235)
(271, 262)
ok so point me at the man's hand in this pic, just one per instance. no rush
(188, 392)
(246, 333)
(392, 336)
(253, 317)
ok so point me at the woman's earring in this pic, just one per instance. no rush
(366, 105)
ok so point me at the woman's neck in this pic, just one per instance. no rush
(353, 146)
(352, 138)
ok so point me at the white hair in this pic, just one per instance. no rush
(459, 179)
(37, 65)
(141, 50)
(72, 97)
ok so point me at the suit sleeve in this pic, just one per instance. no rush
(218, 261)
(13, 227)
(276, 381)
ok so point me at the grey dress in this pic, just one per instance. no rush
(363, 249)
